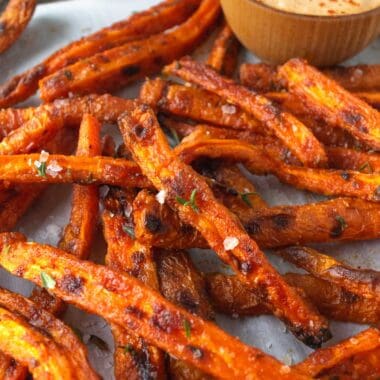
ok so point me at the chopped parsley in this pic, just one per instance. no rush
(342, 222)
(48, 282)
(366, 167)
(128, 349)
(191, 202)
(245, 198)
(187, 328)
(41, 169)
(129, 230)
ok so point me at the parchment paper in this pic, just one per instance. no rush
(53, 26)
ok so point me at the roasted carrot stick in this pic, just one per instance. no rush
(14, 20)
(224, 52)
(359, 78)
(322, 360)
(117, 67)
(71, 169)
(79, 232)
(322, 181)
(232, 297)
(123, 300)
(52, 326)
(363, 282)
(182, 284)
(189, 194)
(140, 25)
(133, 356)
(327, 100)
(291, 132)
(271, 227)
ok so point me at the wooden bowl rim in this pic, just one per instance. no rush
(324, 18)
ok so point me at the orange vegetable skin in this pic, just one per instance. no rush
(14, 20)
(140, 25)
(322, 181)
(148, 144)
(133, 357)
(327, 100)
(120, 66)
(79, 232)
(44, 358)
(123, 300)
(271, 227)
(289, 130)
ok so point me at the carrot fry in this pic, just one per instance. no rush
(123, 300)
(230, 296)
(133, 356)
(44, 358)
(291, 132)
(56, 329)
(10, 369)
(272, 227)
(14, 20)
(330, 102)
(189, 194)
(72, 169)
(363, 282)
(183, 285)
(32, 135)
(79, 232)
(323, 181)
(143, 24)
(117, 67)
(361, 78)
(324, 359)
(224, 53)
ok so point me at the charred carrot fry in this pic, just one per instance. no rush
(140, 25)
(358, 281)
(10, 369)
(32, 135)
(133, 356)
(56, 329)
(189, 194)
(121, 65)
(292, 133)
(359, 78)
(40, 354)
(79, 232)
(232, 297)
(327, 100)
(14, 20)
(183, 285)
(95, 288)
(224, 53)
(322, 360)
(72, 169)
(323, 181)
(271, 227)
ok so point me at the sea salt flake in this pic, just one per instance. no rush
(44, 156)
(230, 243)
(161, 196)
(54, 167)
(228, 109)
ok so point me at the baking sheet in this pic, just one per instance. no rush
(53, 26)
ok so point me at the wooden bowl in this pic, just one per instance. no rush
(276, 36)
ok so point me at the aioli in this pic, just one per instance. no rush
(323, 7)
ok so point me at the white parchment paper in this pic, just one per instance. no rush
(53, 26)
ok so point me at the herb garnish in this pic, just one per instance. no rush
(342, 222)
(365, 166)
(191, 202)
(245, 198)
(128, 349)
(41, 169)
(129, 230)
(187, 328)
(48, 282)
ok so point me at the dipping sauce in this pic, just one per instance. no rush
(323, 7)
